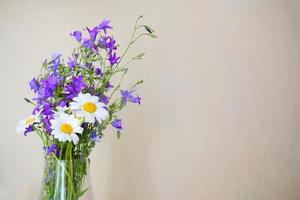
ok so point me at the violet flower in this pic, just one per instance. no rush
(56, 56)
(47, 123)
(75, 87)
(127, 96)
(95, 137)
(55, 61)
(34, 85)
(98, 71)
(71, 62)
(28, 130)
(104, 25)
(93, 33)
(47, 109)
(87, 43)
(36, 110)
(50, 85)
(104, 99)
(108, 86)
(117, 123)
(108, 42)
(63, 103)
(53, 148)
(77, 35)
(113, 59)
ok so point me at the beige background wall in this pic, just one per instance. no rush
(220, 116)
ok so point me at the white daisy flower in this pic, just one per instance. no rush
(60, 110)
(89, 107)
(24, 124)
(64, 128)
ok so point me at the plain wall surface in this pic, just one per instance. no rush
(220, 113)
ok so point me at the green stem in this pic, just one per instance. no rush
(71, 166)
(139, 37)
(130, 43)
(67, 168)
(61, 151)
(59, 162)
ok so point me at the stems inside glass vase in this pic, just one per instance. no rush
(64, 179)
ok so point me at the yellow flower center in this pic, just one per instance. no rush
(30, 120)
(66, 128)
(89, 107)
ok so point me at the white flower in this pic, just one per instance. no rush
(60, 110)
(24, 124)
(89, 108)
(65, 128)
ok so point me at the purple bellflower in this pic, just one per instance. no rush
(75, 87)
(127, 96)
(95, 137)
(77, 35)
(47, 109)
(56, 61)
(34, 85)
(98, 71)
(47, 123)
(104, 99)
(71, 62)
(108, 86)
(53, 148)
(93, 33)
(50, 84)
(63, 103)
(104, 25)
(28, 130)
(117, 123)
(108, 42)
(113, 59)
(87, 43)
(36, 110)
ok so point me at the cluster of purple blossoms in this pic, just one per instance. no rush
(76, 86)
(64, 82)
(105, 42)
(46, 88)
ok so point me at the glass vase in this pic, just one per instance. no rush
(66, 180)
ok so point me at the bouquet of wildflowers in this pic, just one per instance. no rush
(76, 101)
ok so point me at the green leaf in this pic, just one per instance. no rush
(82, 192)
(139, 56)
